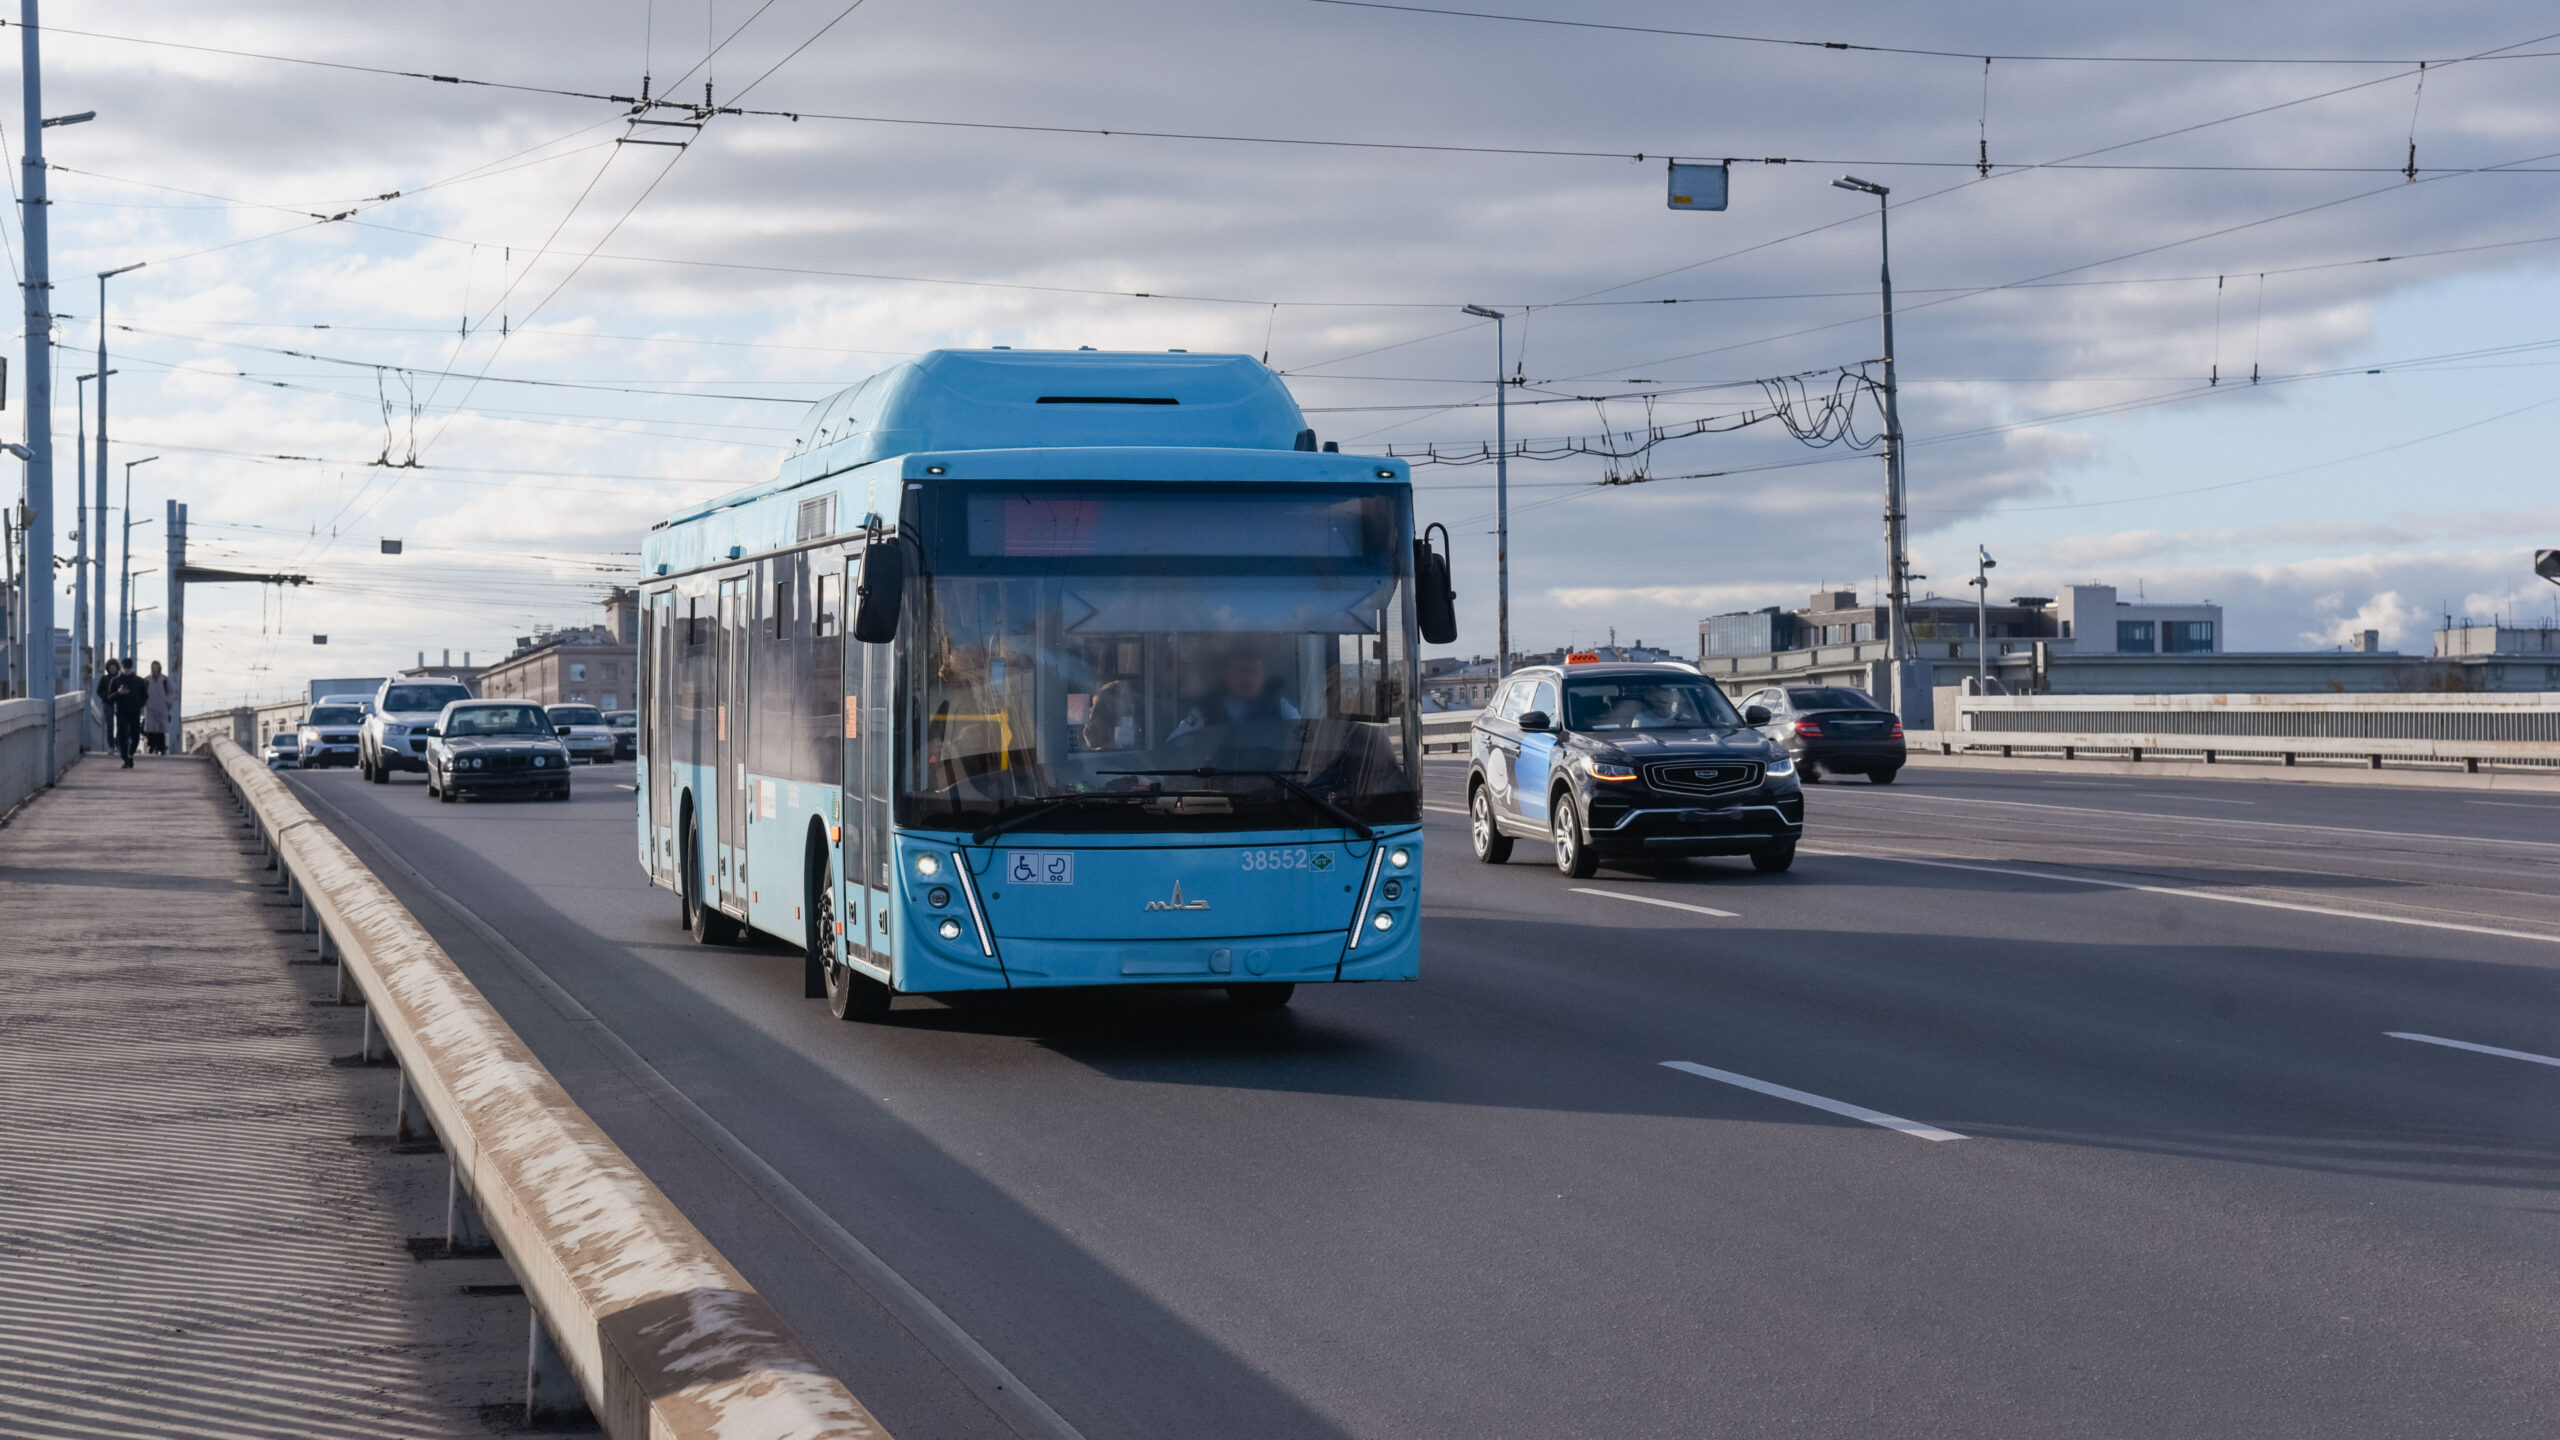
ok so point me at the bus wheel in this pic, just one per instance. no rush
(851, 995)
(819, 953)
(709, 925)
(1266, 995)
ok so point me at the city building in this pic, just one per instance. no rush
(2097, 623)
(2469, 639)
(466, 672)
(595, 665)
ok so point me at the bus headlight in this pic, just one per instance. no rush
(1384, 921)
(1399, 857)
(928, 864)
(948, 929)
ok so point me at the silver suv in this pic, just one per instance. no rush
(389, 740)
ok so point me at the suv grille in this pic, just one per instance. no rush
(1702, 777)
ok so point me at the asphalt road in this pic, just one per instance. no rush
(2140, 1153)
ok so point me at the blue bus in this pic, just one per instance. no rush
(1045, 669)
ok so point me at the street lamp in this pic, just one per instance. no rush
(103, 372)
(1897, 580)
(1501, 500)
(1983, 564)
(125, 639)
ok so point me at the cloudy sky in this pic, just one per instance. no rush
(644, 322)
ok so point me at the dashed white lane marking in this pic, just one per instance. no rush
(1818, 1102)
(2191, 799)
(618, 785)
(2512, 804)
(1649, 900)
(1447, 809)
(2262, 904)
(2525, 1055)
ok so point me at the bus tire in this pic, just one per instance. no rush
(1262, 995)
(818, 949)
(851, 995)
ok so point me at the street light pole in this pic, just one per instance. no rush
(1501, 499)
(1982, 566)
(38, 449)
(125, 640)
(1897, 561)
(103, 372)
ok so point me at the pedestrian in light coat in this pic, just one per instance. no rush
(155, 710)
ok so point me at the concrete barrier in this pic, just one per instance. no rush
(22, 746)
(662, 1335)
(1445, 731)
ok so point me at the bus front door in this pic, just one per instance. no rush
(657, 732)
(868, 775)
(729, 681)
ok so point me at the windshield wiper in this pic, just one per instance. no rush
(1283, 779)
(1050, 805)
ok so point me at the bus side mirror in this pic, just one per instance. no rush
(879, 582)
(1435, 604)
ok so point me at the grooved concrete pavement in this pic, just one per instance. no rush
(202, 1226)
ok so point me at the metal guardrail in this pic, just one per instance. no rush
(1445, 731)
(662, 1336)
(2467, 728)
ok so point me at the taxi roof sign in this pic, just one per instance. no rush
(1696, 185)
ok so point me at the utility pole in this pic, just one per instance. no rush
(176, 641)
(126, 641)
(103, 373)
(1897, 562)
(1501, 499)
(41, 683)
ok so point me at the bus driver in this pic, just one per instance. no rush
(1247, 693)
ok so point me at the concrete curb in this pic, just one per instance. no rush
(663, 1335)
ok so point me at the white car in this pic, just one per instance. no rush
(390, 739)
(283, 750)
(582, 729)
(329, 734)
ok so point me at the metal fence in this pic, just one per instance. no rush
(633, 1309)
(2469, 729)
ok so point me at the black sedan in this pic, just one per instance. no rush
(1627, 761)
(495, 747)
(1832, 728)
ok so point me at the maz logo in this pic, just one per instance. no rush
(1177, 902)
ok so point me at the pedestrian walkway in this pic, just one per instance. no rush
(203, 1227)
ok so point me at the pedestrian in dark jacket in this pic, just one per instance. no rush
(129, 698)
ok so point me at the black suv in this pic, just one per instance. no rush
(1832, 728)
(1627, 761)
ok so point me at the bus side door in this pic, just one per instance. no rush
(657, 734)
(729, 678)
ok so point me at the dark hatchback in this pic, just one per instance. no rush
(1627, 761)
(1832, 728)
(490, 747)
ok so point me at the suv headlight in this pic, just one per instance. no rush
(1782, 764)
(1609, 770)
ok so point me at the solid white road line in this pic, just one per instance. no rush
(2262, 904)
(1649, 900)
(1818, 1102)
(1899, 797)
(2525, 1055)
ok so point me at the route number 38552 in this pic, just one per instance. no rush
(1278, 860)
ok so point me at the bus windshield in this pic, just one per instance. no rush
(1208, 660)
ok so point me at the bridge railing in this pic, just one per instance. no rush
(2469, 729)
(22, 770)
(1446, 731)
(661, 1335)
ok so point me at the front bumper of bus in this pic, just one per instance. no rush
(1229, 923)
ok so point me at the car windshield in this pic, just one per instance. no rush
(286, 741)
(1645, 702)
(576, 715)
(623, 720)
(408, 699)
(1835, 697)
(477, 720)
(1197, 652)
(336, 715)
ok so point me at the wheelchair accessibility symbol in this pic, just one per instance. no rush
(1040, 867)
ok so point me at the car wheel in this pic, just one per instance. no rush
(1573, 857)
(1262, 995)
(1774, 861)
(1809, 771)
(372, 771)
(1883, 774)
(446, 793)
(1492, 846)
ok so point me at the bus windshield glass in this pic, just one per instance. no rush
(1163, 658)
